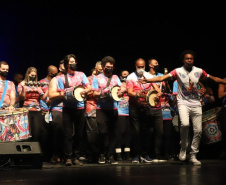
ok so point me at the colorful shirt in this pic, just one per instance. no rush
(188, 93)
(123, 105)
(100, 83)
(32, 97)
(78, 78)
(91, 102)
(132, 82)
(43, 103)
(10, 87)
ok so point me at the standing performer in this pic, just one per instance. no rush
(106, 109)
(91, 122)
(7, 88)
(141, 114)
(31, 95)
(73, 110)
(188, 101)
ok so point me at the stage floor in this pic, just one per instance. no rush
(211, 172)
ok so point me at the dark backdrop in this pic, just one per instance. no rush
(40, 33)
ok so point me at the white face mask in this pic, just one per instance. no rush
(140, 71)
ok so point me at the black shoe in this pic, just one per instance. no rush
(127, 156)
(112, 160)
(102, 159)
(119, 156)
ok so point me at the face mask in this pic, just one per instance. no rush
(32, 78)
(3, 73)
(73, 66)
(123, 79)
(52, 75)
(108, 70)
(156, 68)
(140, 72)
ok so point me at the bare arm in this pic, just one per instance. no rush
(166, 77)
(217, 79)
(53, 93)
(221, 92)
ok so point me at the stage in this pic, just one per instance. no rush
(211, 172)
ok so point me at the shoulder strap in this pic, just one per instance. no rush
(108, 82)
(3, 94)
(66, 80)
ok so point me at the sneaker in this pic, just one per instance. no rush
(136, 160)
(182, 155)
(68, 162)
(146, 159)
(194, 161)
(101, 159)
(112, 160)
(77, 162)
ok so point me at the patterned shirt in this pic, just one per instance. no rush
(43, 103)
(132, 82)
(188, 93)
(100, 83)
(32, 97)
(78, 78)
(10, 87)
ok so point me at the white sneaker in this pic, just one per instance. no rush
(194, 161)
(182, 155)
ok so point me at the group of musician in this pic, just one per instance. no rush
(101, 129)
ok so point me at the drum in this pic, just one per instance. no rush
(151, 98)
(211, 131)
(14, 125)
(75, 93)
(114, 93)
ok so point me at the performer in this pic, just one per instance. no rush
(31, 95)
(7, 88)
(91, 123)
(141, 113)
(188, 100)
(18, 77)
(106, 113)
(122, 129)
(55, 118)
(73, 110)
(222, 118)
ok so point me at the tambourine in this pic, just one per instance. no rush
(75, 93)
(40, 84)
(114, 93)
(151, 98)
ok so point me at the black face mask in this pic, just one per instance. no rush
(3, 73)
(32, 78)
(73, 66)
(156, 68)
(108, 70)
(52, 75)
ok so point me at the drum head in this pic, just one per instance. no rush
(77, 92)
(114, 94)
(151, 98)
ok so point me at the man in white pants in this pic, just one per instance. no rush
(188, 100)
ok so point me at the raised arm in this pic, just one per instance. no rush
(217, 79)
(155, 79)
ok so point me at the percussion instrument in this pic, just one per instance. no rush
(40, 84)
(114, 93)
(151, 98)
(211, 131)
(75, 93)
(14, 125)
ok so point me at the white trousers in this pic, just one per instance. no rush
(195, 115)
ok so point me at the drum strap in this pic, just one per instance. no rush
(108, 82)
(66, 80)
(3, 94)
